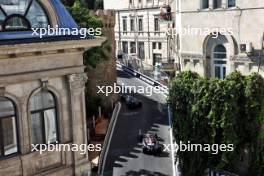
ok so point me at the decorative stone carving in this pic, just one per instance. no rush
(77, 81)
(2, 91)
(44, 83)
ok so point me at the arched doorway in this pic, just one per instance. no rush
(219, 61)
(217, 50)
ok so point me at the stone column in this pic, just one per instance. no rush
(78, 117)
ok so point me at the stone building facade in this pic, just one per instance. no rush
(218, 37)
(139, 30)
(42, 97)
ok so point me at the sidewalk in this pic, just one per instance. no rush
(97, 137)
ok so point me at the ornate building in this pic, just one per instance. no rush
(42, 85)
(218, 37)
(141, 29)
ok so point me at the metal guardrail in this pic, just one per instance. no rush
(144, 78)
(136, 64)
(107, 140)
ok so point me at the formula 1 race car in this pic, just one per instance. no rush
(131, 101)
(150, 144)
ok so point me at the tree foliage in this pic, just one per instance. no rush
(213, 111)
(82, 16)
(68, 2)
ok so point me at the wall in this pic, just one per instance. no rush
(57, 66)
(246, 26)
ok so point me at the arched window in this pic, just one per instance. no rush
(8, 128)
(21, 15)
(219, 61)
(43, 118)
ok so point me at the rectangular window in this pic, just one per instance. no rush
(231, 3)
(156, 24)
(154, 45)
(160, 45)
(217, 4)
(125, 47)
(141, 50)
(132, 47)
(140, 24)
(204, 4)
(132, 25)
(124, 25)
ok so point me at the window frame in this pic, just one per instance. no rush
(154, 45)
(219, 62)
(125, 47)
(156, 24)
(202, 4)
(132, 24)
(159, 45)
(228, 4)
(13, 16)
(140, 24)
(23, 16)
(141, 48)
(15, 116)
(133, 50)
(42, 117)
(124, 24)
(216, 4)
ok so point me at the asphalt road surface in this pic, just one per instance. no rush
(125, 156)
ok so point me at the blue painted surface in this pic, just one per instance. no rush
(65, 20)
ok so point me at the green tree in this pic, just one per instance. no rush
(93, 56)
(82, 16)
(68, 2)
(213, 111)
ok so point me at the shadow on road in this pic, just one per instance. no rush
(144, 172)
(125, 145)
(122, 74)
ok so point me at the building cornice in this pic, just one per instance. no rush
(139, 8)
(220, 10)
(12, 51)
(192, 56)
(245, 58)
